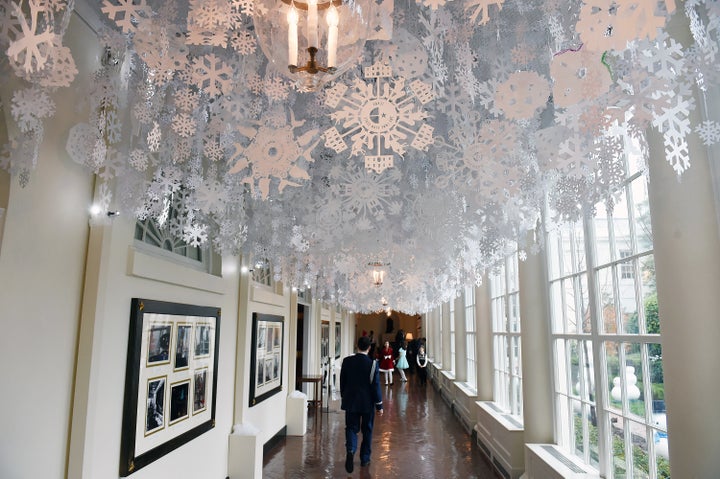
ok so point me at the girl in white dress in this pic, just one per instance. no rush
(402, 363)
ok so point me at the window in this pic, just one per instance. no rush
(504, 295)
(626, 269)
(607, 350)
(470, 336)
(452, 337)
(164, 237)
(262, 272)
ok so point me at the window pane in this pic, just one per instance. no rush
(617, 438)
(563, 367)
(641, 215)
(628, 301)
(620, 222)
(651, 316)
(570, 317)
(579, 429)
(556, 308)
(603, 246)
(606, 300)
(553, 256)
(612, 364)
(514, 313)
(640, 453)
(584, 296)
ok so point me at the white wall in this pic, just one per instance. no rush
(65, 308)
(41, 275)
(269, 415)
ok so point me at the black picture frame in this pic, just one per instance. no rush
(338, 339)
(266, 356)
(170, 379)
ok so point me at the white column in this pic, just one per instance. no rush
(484, 341)
(687, 268)
(536, 349)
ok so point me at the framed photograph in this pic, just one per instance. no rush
(266, 356)
(325, 340)
(338, 338)
(170, 379)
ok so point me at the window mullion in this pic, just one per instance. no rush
(599, 369)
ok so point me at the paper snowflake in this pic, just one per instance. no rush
(34, 37)
(521, 95)
(273, 154)
(126, 13)
(211, 74)
(481, 8)
(578, 75)
(379, 117)
(709, 132)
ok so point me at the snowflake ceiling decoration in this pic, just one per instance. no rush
(494, 108)
(380, 117)
(273, 154)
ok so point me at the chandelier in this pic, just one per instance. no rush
(378, 274)
(312, 41)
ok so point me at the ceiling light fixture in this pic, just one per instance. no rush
(308, 48)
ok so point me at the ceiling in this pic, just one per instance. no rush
(474, 114)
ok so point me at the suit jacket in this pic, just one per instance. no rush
(358, 393)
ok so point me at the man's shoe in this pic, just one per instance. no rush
(365, 463)
(349, 462)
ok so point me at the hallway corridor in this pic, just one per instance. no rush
(418, 438)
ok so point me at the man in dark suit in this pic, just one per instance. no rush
(361, 397)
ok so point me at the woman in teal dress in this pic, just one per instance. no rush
(402, 363)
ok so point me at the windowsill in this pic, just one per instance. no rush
(509, 422)
(469, 391)
(143, 265)
(448, 375)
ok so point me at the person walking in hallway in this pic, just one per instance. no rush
(387, 364)
(402, 363)
(422, 361)
(360, 398)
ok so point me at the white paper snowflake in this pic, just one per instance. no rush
(521, 95)
(138, 159)
(195, 234)
(578, 75)
(481, 8)
(34, 39)
(126, 13)
(211, 74)
(709, 132)
(273, 153)
(31, 105)
(379, 117)
(184, 125)
(366, 194)
(610, 24)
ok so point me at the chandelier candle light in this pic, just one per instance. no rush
(323, 37)
(331, 17)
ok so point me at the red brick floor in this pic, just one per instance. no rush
(417, 438)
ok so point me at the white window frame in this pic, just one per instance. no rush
(470, 337)
(507, 344)
(583, 290)
(451, 309)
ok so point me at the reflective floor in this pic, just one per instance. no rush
(418, 437)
